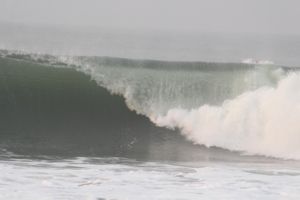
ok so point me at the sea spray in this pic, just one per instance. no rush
(263, 122)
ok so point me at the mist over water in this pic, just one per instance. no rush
(141, 44)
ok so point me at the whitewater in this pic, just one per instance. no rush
(264, 121)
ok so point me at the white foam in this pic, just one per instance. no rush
(265, 121)
(110, 178)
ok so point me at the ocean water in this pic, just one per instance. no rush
(93, 114)
(120, 178)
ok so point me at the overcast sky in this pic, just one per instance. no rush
(259, 16)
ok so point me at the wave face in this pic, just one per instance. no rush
(250, 108)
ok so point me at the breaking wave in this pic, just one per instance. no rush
(248, 107)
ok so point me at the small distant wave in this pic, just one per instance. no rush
(257, 62)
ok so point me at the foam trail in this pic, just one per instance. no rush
(263, 122)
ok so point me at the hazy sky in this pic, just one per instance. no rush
(260, 16)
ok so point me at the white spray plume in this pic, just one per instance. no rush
(262, 122)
